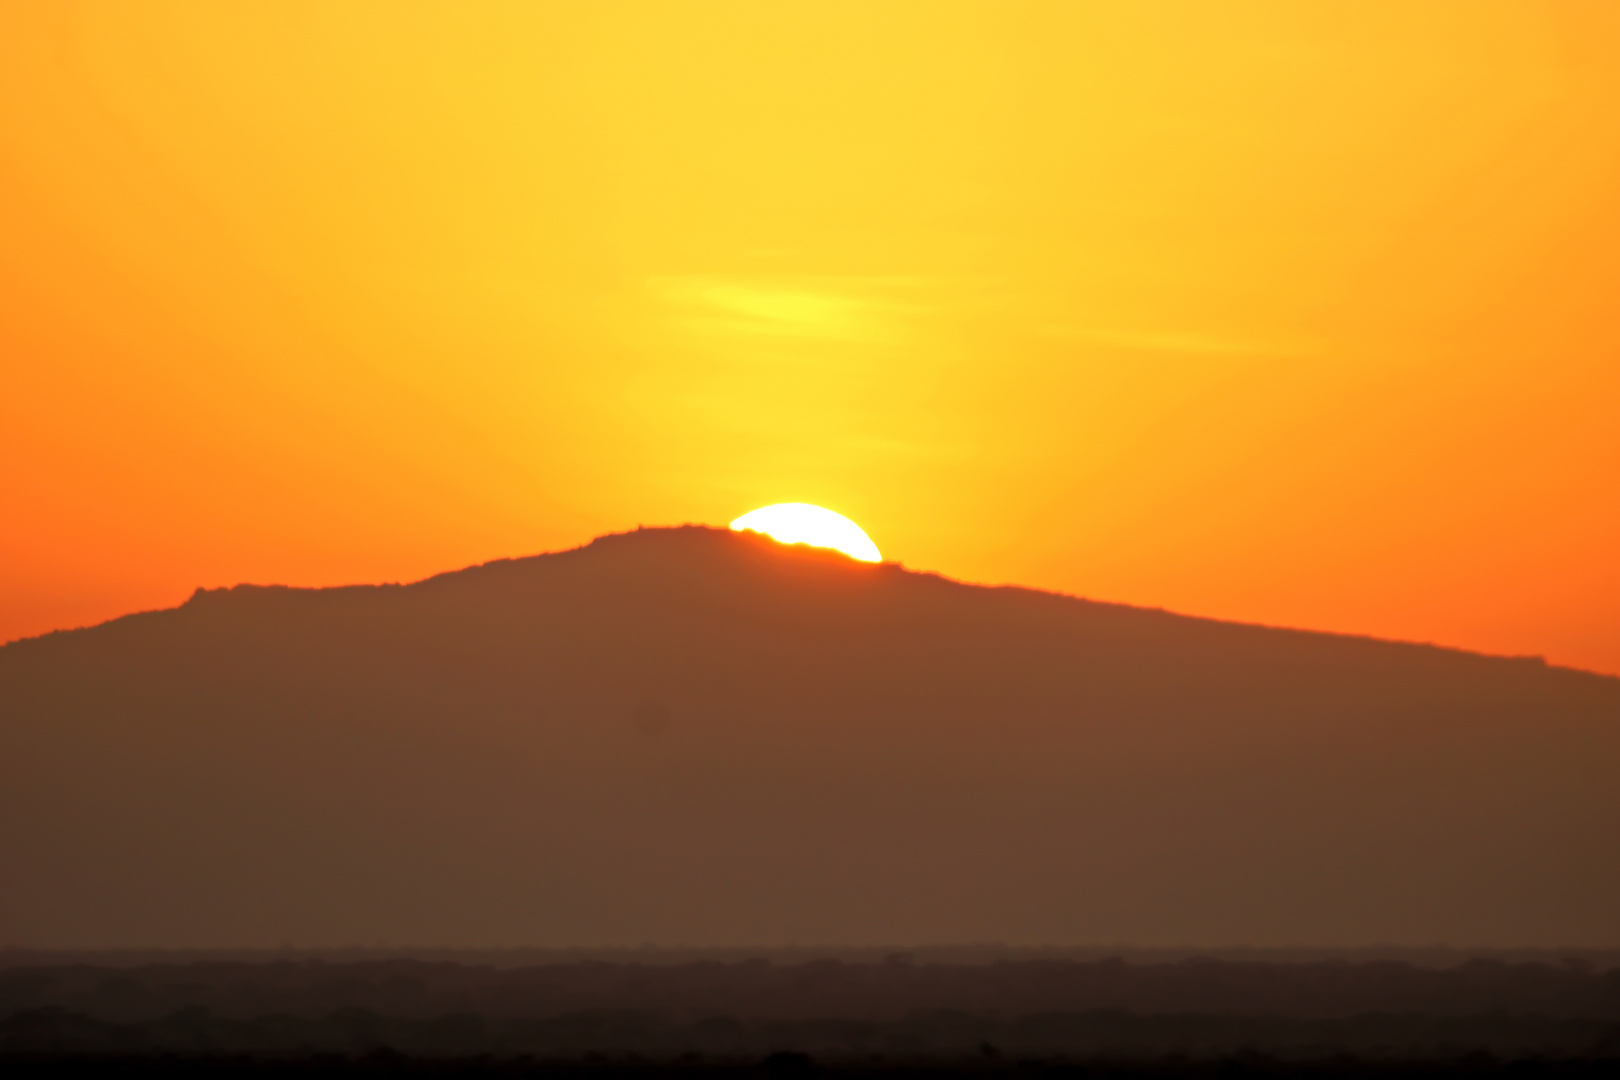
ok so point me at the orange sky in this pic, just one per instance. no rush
(1297, 313)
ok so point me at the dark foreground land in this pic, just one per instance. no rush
(782, 1067)
(899, 1017)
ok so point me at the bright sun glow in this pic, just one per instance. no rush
(801, 523)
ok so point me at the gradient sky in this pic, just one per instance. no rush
(1296, 313)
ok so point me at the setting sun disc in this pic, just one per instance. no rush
(802, 523)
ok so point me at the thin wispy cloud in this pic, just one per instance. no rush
(1188, 343)
(842, 309)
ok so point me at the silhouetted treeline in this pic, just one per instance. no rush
(900, 1011)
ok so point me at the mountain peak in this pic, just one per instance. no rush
(691, 735)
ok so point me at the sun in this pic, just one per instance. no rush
(801, 523)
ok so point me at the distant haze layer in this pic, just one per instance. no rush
(697, 737)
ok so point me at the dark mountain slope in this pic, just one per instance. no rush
(694, 736)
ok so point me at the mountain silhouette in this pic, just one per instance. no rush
(696, 737)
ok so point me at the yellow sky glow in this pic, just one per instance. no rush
(1291, 313)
